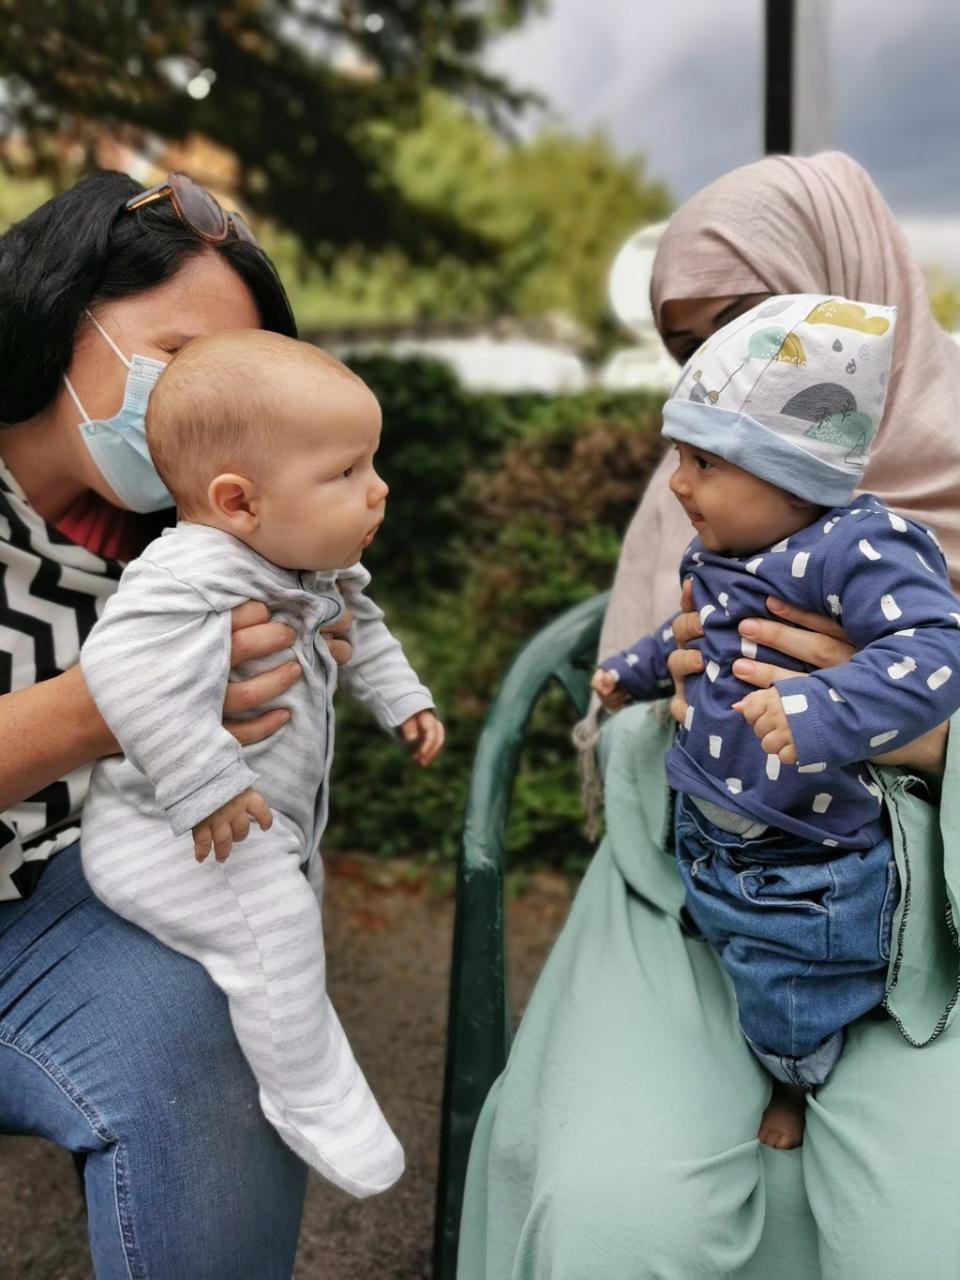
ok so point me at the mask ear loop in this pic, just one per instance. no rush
(84, 416)
(103, 333)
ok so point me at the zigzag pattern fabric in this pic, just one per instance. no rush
(51, 594)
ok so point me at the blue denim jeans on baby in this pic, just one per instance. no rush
(804, 935)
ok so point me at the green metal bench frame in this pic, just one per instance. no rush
(479, 1028)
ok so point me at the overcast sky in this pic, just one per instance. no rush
(680, 82)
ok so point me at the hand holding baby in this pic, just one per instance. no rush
(229, 823)
(763, 709)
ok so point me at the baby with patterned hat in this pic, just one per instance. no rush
(780, 834)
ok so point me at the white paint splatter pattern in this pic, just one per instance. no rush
(870, 786)
(901, 668)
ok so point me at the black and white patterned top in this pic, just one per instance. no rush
(51, 593)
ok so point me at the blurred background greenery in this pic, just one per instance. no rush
(386, 170)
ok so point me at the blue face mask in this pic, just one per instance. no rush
(118, 445)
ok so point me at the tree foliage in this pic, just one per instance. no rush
(310, 96)
(475, 556)
(558, 207)
(944, 299)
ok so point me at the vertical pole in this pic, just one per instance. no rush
(811, 126)
(778, 72)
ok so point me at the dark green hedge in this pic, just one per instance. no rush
(503, 511)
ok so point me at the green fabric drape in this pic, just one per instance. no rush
(620, 1142)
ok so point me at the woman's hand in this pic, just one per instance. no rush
(684, 661)
(810, 637)
(341, 650)
(255, 636)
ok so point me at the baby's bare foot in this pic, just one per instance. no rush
(781, 1124)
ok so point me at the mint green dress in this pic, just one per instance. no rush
(620, 1141)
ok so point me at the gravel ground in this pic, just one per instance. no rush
(388, 939)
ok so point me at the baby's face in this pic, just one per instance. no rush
(732, 511)
(321, 500)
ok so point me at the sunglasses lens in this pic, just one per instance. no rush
(198, 207)
(243, 232)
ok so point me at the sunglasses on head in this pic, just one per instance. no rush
(195, 207)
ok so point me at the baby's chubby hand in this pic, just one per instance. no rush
(230, 822)
(424, 733)
(609, 689)
(763, 709)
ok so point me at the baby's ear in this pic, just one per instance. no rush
(233, 500)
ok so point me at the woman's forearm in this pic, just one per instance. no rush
(46, 732)
(926, 756)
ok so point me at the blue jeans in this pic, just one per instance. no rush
(804, 935)
(121, 1050)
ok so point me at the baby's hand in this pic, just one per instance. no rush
(764, 710)
(230, 822)
(424, 732)
(609, 689)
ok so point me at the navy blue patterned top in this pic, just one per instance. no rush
(884, 578)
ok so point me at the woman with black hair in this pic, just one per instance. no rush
(111, 1045)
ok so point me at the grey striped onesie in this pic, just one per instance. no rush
(157, 665)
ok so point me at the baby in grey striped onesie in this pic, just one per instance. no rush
(267, 445)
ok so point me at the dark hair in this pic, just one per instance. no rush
(82, 247)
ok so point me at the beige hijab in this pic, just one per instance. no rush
(793, 225)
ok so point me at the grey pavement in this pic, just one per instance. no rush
(388, 931)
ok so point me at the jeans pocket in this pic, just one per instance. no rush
(891, 900)
(804, 886)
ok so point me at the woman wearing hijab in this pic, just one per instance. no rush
(620, 1141)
